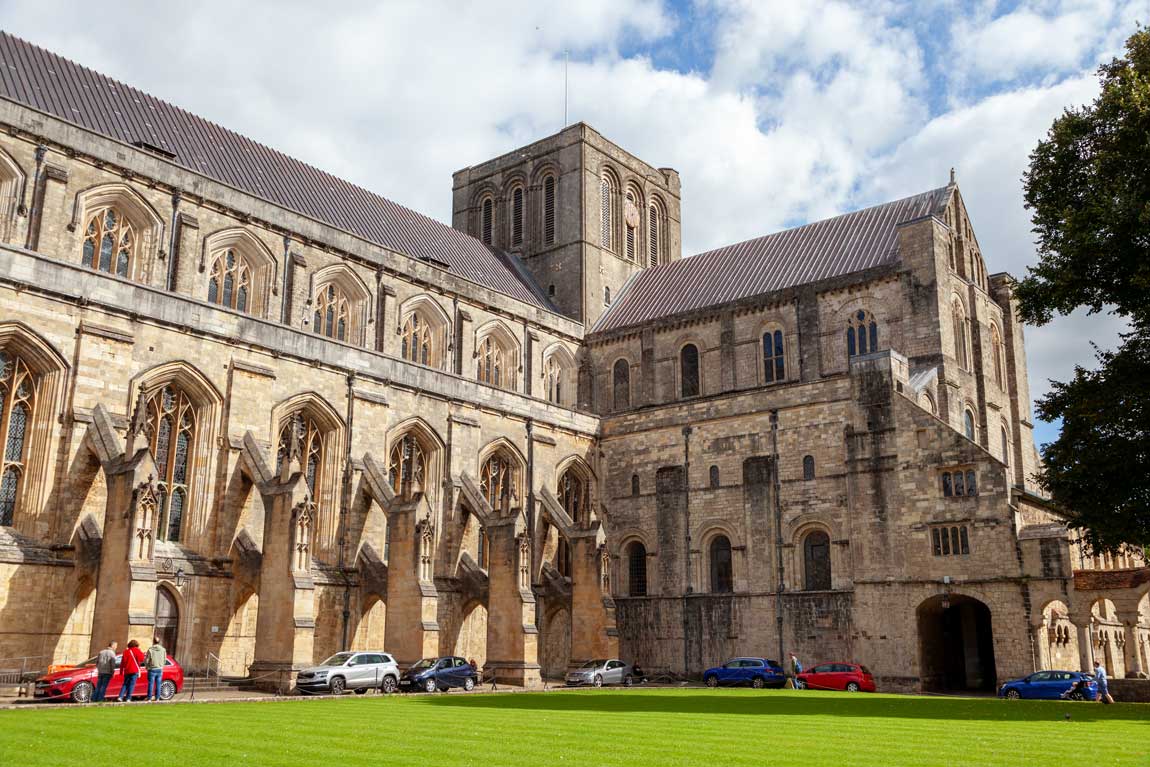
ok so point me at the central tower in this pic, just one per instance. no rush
(582, 215)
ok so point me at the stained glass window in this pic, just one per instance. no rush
(492, 362)
(171, 433)
(332, 313)
(230, 281)
(416, 342)
(774, 361)
(17, 403)
(109, 242)
(862, 334)
(553, 380)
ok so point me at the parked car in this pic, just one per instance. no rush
(77, 683)
(757, 672)
(851, 677)
(359, 671)
(431, 674)
(1049, 685)
(600, 672)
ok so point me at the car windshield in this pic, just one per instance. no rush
(422, 664)
(338, 659)
(593, 664)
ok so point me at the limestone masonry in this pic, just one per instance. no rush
(270, 415)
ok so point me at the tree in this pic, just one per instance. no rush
(1088, 187)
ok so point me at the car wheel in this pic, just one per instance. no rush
(337, 685)
(82, 692)
(469, 684)
(711, 681)
(360, 690)
(1076, 696)
(430, 685)
(628, 681)
(167, 689)
(757, 683)
(1012, 694)
(852, 686)
(799, 684)
(598, 681)
(389, 685)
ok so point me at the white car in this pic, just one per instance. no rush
(600, 672)
(359, 671)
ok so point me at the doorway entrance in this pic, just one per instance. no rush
(167, 619)
(956, 645)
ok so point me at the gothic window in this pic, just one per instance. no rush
(606, 296)
(492, 367)
(968, 424)
(332, 316)
(606, 224)
(1005, 435)
(654, 251)
(689, 371)
(407, 466)
(171, 432)
(497, 481)
(553, 380)
(517, 216)
(959, 483)
(714, 477)
(636, 569)
(862, 334)
(301, 437)
(110, 242)
(574, 498)
(999, 352)
(17, 403)
(230, 283)
(417, 345)
(808, 467)
(774, 362)
(634, 485)
(631, 221)
(817, 561)
(487, 220)
(961, 347)
(549, 210)
(949, 540)
(722, 576)
(621, 385)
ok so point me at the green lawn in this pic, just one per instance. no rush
(661, 727)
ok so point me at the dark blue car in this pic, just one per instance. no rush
(757, 672)
(1051, 685)
(431, 674)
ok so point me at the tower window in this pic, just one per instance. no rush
(606, 227)
(631, 216)
(487, 220)
(549, 210)
(517, 216)
(653, 233)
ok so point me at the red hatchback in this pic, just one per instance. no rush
(78, 684)
(838, 676)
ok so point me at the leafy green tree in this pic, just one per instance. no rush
(1088, 188)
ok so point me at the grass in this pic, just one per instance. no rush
(661, 727)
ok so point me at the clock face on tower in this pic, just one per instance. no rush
(631, 214)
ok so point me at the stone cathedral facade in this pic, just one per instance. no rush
(270, 415)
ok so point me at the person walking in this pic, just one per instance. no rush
(105, 667)
(130, 668)
(796, 669)
(1103, 683)
(155, 660)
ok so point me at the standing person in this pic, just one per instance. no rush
(155, 659)
(130, 668)
(105, 667)
(1103, 683)
(796, 669)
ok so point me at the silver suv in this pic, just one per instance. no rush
(359, 671)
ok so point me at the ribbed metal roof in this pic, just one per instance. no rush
(44, 81)
(841, 245)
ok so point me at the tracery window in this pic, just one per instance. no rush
(407, 466)
(230, 281)
(332, 316)
(417, 344)
(968, 424)
(110, 242)
(817, 561)
(497, 481)
(862, 334)
(774, 361)
(574, 497)
(171, 432)
(553, 380)
(492, 368)
(621, 385)
(961, 347)
(689, 371)
(722, 576)
(302, 438)
(18, 388)
(636, 569)
(549, 210)
(999, 352)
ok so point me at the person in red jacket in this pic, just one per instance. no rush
(130, 667)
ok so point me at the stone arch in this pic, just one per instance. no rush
(175, 633)
(1057, 637)
(370, 628)
(426, 310)
(12, 181)
(237, 647)
(956, 643)
(75, 638)
(634, 556)
(471, 638)
(144, 218)
(260, 260)
(560, 374)
(433, 451)
(508, 347)
(576, 467)
(813, 543)
(555, 642)
(351, 287)
(504, 447)
(720, 570)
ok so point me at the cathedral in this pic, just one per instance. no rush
(267, 415)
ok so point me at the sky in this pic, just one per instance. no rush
(775, 112)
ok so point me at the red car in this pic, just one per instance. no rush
(838, 676)
(79, 683)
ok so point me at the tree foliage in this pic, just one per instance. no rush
(1088, 187)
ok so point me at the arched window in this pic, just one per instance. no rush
(230, 283)
(808, 467)
(549, 210)
(17, 404)
(171, 432)
(492, 363)
(574, 498)
(927, 403)
(722, 576)
(407, 466)
(517, 216)
(714, 477)
(961, 347)
(301, 437)
(553, 380)
(498, 479)
(634, 485)
(636, 569)
(689, 371)
(332, 316)
(606, 223)
(606, 296)
(774, 361)
(621, 385)
(999, 352)
(654, 231)
(1005, 445)
(862, 334)
(631, 222)
(817, 561)
(968, 424)
(417, 344)
(110, 242)
(486, 220)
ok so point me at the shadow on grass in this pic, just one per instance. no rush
(705, 702)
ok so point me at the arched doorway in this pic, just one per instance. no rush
(956, 644)
(555, 643)
(167, 619)
(471, 643)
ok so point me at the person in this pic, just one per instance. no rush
(105, 667)
(155, 660)
(1103, 685)
(130, 668)
(796, 669)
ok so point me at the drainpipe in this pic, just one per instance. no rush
(776, 486)
(687, 542)
(37, 200)
(344, 511)
(531, 504)
(173, 241)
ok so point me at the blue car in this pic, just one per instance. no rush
(757, 672)
(1051, 685)
(431, 674)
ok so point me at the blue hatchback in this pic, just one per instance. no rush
(1051, 685)
(757, 672)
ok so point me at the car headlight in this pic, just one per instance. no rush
(319, 674)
